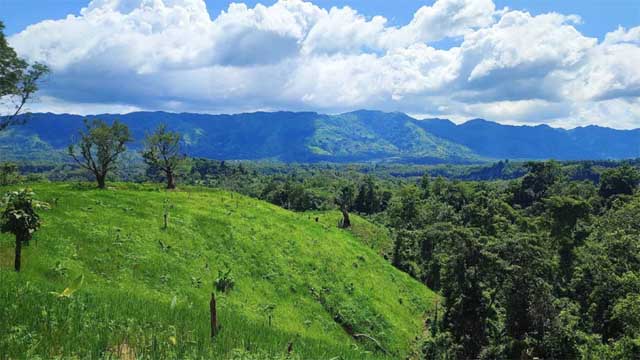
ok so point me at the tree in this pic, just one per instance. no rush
(534, 186)
(524, 269)
(345, 201)
(99, 146)
(405, 210)
(9, 174)
(564, 213)
(425, 185)
(466, 304)
(20, 219)
(162, 151)
(18, 80)
(619, 181)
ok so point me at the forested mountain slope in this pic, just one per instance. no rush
(359, 136)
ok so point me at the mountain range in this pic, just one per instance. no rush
(359, 136)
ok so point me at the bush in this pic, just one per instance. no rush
(224, 282)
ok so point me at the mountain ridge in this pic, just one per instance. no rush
(357, 136)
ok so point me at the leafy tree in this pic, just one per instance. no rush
(619, 181)
(99, 148)
(20, 219)
(540, 176)
(405, 210)
(162, 152)
(370, 199)
(466, 304)
(9, 174)
(607, 268)
(524, 276)
(18, 80)
(564, 213)
(425, 185)
(344, 200)
(406, 252)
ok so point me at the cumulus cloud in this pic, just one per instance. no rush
(507, 65)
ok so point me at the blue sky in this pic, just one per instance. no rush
(599, 16)
(560, 62)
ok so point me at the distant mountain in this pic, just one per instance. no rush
(493, 140)
(359, 136)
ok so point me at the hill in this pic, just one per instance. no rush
(296, 280)
(492, 140)
(360, 136)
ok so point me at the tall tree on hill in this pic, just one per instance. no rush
(18, 80)
(20, 219)
(99, 148)
(162, 152)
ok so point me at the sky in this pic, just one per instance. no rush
(564, 63)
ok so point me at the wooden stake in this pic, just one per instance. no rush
(214, 315)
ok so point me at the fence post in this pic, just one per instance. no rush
(214, 315)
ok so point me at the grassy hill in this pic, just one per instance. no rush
(146, 290)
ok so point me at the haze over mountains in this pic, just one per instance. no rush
(359, 136)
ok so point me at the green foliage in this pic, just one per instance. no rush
(99, 148)
(162, 153)
(534, 268)
(9, 174)
(622, 180)
(546, 266)
(20, 219)
(18, 80)
(370, 198)
(224, 282)
(534, 186)
(19, 216)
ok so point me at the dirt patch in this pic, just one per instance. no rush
(123, 352)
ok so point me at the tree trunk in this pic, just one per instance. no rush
(18, 258)
(345, 219)
(171, 181)
(101, 181)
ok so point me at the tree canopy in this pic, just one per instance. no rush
(18, 80)
(99, 147)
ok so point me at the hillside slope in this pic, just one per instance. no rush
(360, 136)
(296, 280)
(283, 136)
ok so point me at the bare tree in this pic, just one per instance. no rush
(99, 148)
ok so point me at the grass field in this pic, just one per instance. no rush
(146, 289)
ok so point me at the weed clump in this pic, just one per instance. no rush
(224, 282)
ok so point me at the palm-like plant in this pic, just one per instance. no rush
(20, 218)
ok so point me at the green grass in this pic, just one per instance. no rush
(317, 283)
(377, 237)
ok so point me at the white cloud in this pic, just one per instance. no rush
(446, 18)
(611, 70)
(509, 65)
